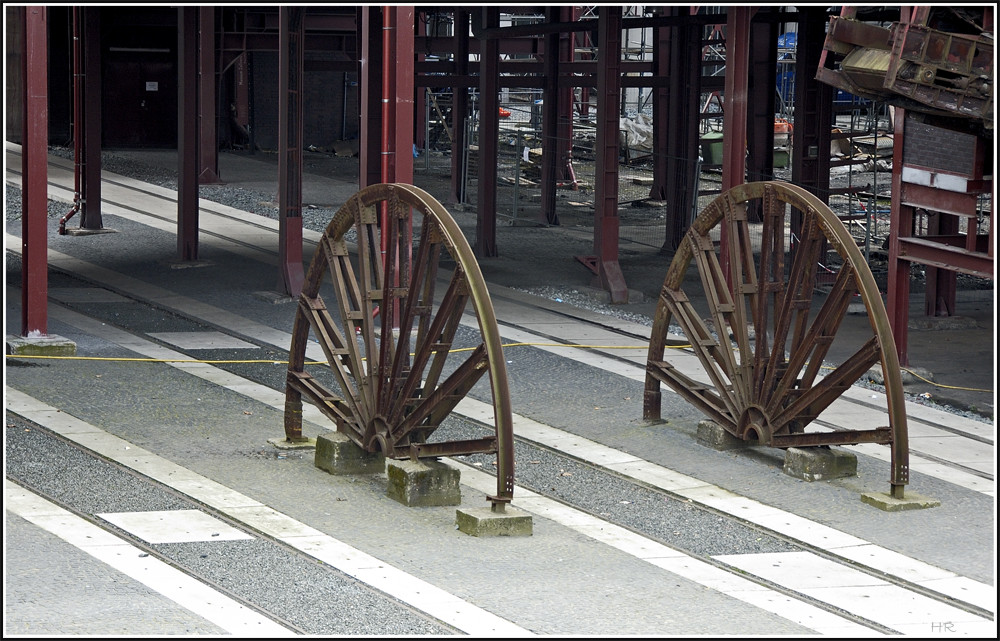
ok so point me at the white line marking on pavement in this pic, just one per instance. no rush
(186, 591)
(175, 526)
(409, 589)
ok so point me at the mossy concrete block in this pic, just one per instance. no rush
(910, 501)
(819, 463)
(485, 522)
(47, 345)
(423, 483)
(711, 434)
(337, 454)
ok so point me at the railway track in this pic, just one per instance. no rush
(784, 543)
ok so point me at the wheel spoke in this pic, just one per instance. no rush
(725, 370)
(810, 353)
(770, 283)
(432, 349)
(813, 400)
(439, 403)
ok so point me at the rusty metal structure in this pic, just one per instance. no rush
(476, 52)
(392, 342)
(769, 327)
(935, 65)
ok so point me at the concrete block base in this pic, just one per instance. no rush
(275, 298)
(819, 463)
(910, 501)
(711, 434)
(485, 522)
(80, 231)
(337, 454)
(423, 483)
(48, 345)
(283, 443)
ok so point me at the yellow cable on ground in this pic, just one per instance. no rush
(461, 349)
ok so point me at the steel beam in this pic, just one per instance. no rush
(900, 223)
(662, 39)
(187, 133)
(397, 94)
(90, 167)
(459, 108)
(682, 145)
(564, 126)
(370, 86)
(209, 147)
(813, 108)
(34, 172)
(290, 58)
(489, 128)
(734, 117)
(551, 107)
(761, 102)
(606, 151)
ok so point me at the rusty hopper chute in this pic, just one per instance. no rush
(941, 62)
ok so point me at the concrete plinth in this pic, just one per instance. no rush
(337, 454)
(819, 463)
(188, 264)
(423, 483)
(485, 522)
(80, 231)
(275, 298)
(305, 443)
(910, 501)
(711, 434)
(47, 345)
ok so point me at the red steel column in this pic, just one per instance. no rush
(397, 94)
(209, 169)
(661, 113)
(900, 223)
(291, 37)
(397, 118)
(90, 166)
(564, 128)
(370, 85)
(677, 126)
(551, 108)
(489, 129)
(459, 107)
(609, 273)
(187, 133)
(734, 117)
(34, 171)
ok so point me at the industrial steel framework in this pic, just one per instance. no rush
(560, 49)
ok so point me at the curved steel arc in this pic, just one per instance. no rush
(390, 380)
(768, 334)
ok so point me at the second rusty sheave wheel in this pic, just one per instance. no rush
(394, 369)
(777, 292)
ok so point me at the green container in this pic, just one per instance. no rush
(781, 157)
(711, 148)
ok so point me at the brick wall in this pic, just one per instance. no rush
(938, 148)
(323, 107)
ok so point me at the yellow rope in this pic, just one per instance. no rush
(279, 362)
(462, 349)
